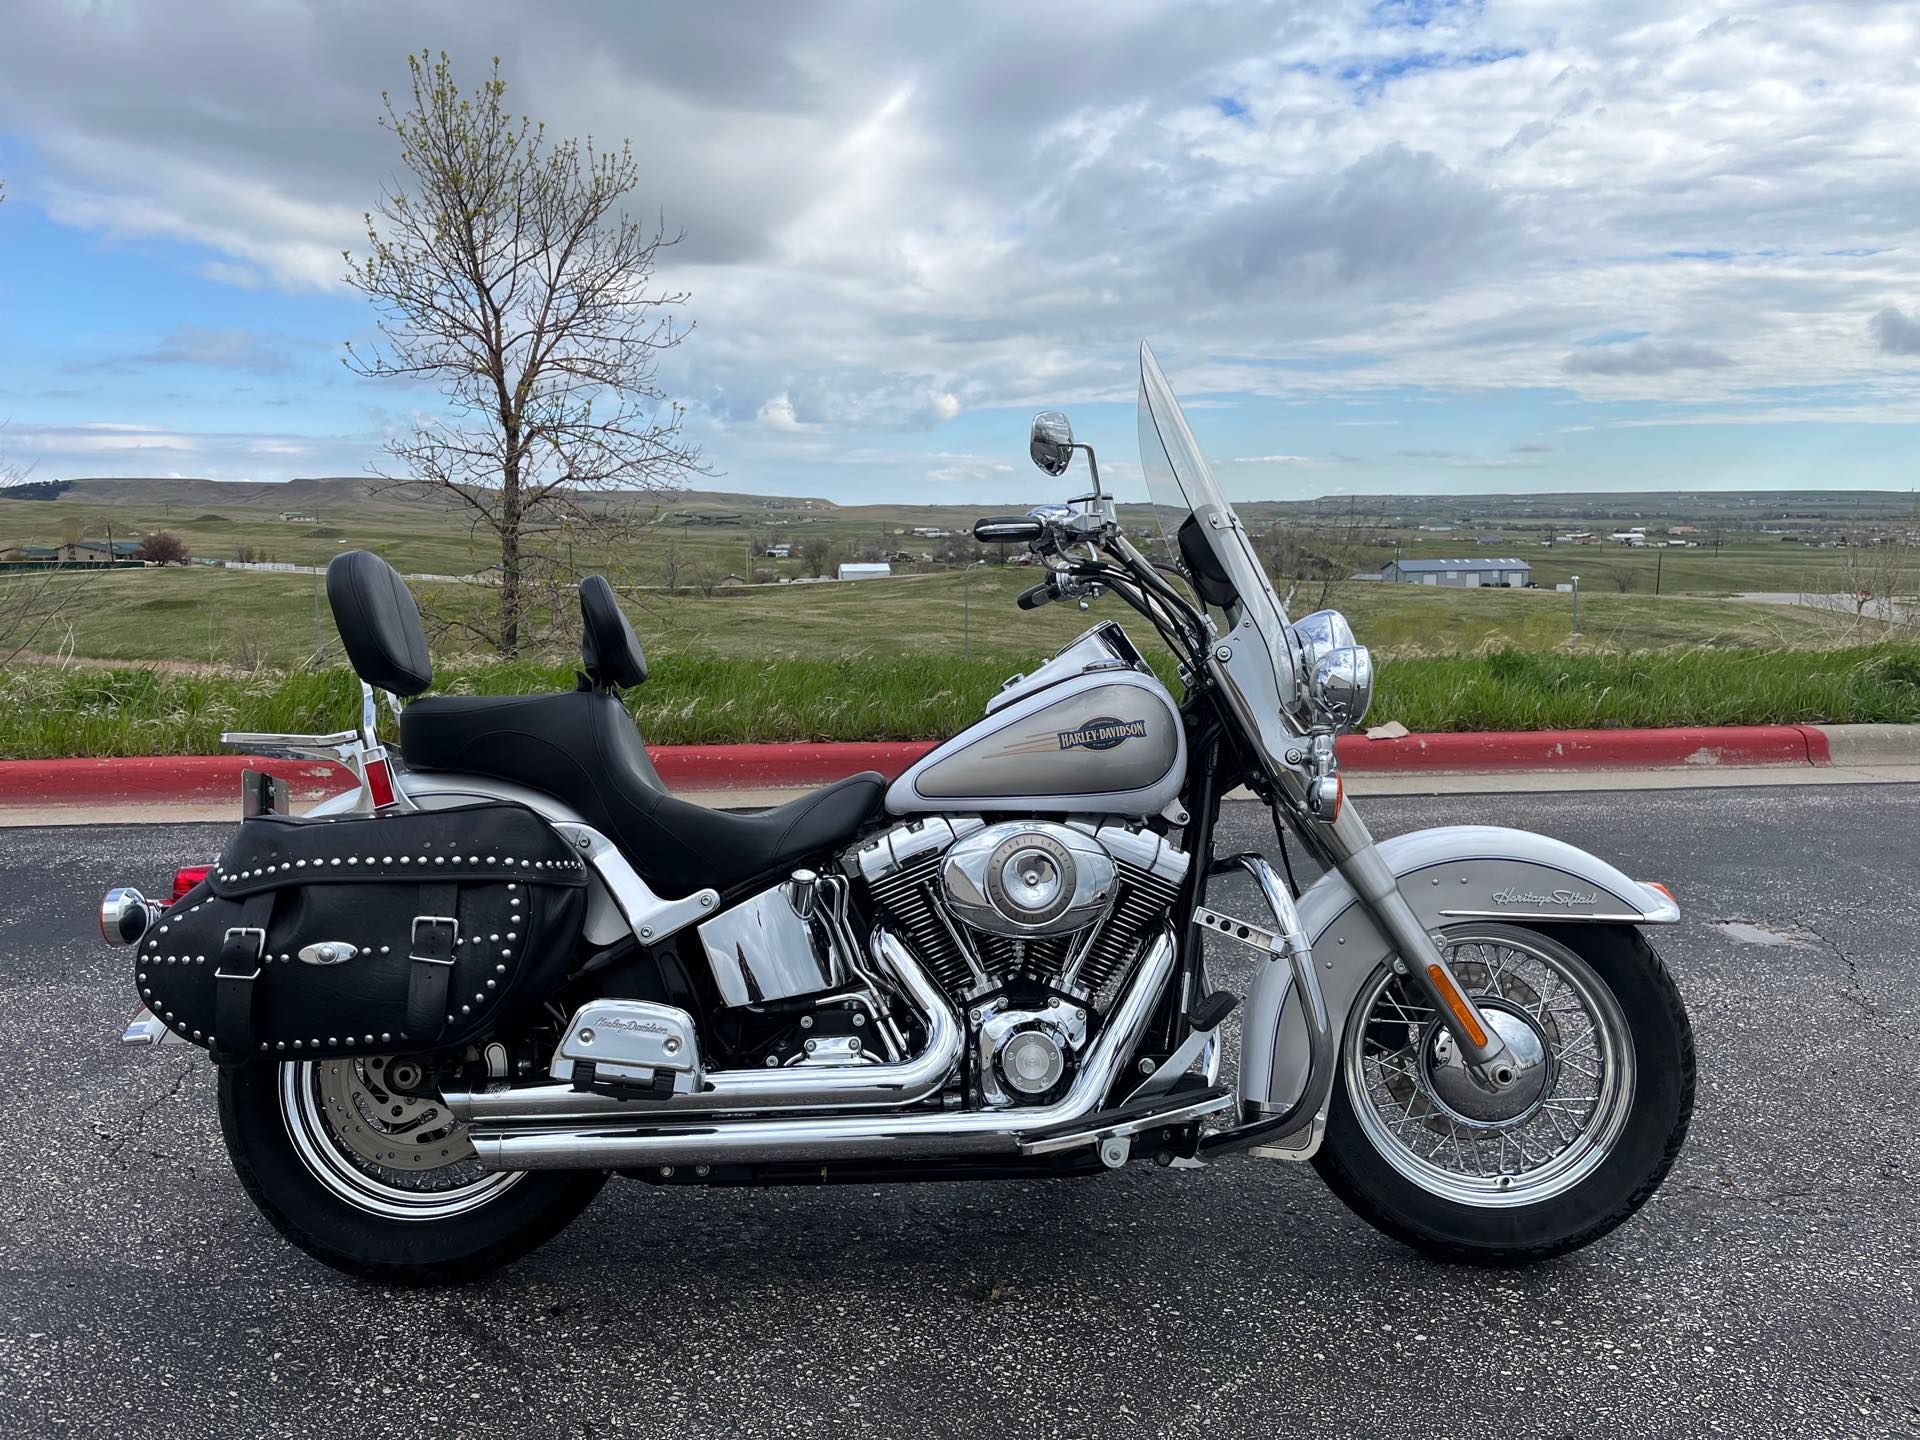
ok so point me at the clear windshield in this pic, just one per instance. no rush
(1181, 486)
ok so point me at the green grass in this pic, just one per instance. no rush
(48, 711)
(222, 617)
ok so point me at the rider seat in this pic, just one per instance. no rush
(581, 746)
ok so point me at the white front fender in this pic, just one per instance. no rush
(1450, 875)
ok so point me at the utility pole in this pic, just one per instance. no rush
(1576, 612)
(1658, 556)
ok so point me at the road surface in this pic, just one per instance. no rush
(1768, 1289)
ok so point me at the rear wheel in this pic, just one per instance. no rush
(353, 1162)
(1419, 1150)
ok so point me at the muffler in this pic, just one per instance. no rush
(607, 1144)
(791, 1087)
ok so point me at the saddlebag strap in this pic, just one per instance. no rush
(242, 955)
(436, 931)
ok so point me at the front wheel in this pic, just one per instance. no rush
(1416, 1148)
(361, 1166)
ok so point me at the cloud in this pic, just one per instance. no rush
(1896, 332)
(893, 225)
(1532, 447)
(1647, 357)
(225, 349)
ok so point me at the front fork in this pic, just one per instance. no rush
(1349, 847)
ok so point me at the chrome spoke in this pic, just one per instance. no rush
(1542, 1145)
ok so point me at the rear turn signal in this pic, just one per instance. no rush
(188, 876)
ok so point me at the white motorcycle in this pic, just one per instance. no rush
(447, 1005)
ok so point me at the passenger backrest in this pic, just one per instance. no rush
(609, 650)
(379, 623)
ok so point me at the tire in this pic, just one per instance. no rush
(389, 1226)
(1473, 1219)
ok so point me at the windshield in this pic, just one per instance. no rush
(1185, 497)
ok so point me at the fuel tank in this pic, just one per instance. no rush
(1089, 731)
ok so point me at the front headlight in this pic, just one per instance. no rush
(1319, 635)
(1343, 686)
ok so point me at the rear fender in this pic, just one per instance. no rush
(1451, 875)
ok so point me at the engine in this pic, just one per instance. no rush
(1027, 925)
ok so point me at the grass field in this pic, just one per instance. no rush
(251, 618)
(50, 711)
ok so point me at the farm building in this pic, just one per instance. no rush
(1459, 573)
(876, 571)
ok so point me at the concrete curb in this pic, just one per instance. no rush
(178, 779)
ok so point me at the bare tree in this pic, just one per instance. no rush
(1315, 560)
(817, 552)
(671, 563)
(508, 272)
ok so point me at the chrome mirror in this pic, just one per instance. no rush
(1343, 686)
(1050, 442)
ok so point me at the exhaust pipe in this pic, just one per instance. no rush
(920, 1134)
(792, 1087)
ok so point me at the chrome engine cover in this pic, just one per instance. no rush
(1028, 879)
(1022, 1055)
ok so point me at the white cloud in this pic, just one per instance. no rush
(893, 221)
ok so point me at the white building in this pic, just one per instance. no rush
(878, 570)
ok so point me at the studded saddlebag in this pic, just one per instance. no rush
(354, 934)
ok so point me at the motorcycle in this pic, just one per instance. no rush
(446, 1005)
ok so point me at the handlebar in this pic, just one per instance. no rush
(1008, 530)
(1045, 593)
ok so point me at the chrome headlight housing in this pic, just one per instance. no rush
(1343, 686)
(1319, 635)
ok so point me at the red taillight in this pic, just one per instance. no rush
(188, 876)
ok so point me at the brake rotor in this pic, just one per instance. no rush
(383, 1126)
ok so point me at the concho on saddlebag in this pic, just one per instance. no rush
(364, 934)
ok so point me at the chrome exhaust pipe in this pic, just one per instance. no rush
(791, 1087)
(920, 1134)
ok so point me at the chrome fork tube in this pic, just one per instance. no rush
(1349, 845)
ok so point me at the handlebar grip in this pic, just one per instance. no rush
(1041, 594)
(1008, 530)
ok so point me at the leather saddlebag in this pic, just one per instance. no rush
(348, 935)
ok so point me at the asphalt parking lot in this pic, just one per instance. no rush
(1768, 1289)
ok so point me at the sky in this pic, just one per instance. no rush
(1394, 247)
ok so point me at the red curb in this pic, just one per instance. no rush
(174, 779)
(1494, 751)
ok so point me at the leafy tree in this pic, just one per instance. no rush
(163, 547)
(506, 270)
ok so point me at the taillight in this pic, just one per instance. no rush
(188, 876)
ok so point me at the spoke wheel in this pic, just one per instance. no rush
(1434, 1125)
(379, 1148)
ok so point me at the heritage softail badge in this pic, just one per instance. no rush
(1103, 732)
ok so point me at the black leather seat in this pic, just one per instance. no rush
(582, 749)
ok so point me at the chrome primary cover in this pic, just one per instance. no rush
(1106, 741)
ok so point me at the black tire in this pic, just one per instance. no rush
(1655, 1129)
(445, 1251)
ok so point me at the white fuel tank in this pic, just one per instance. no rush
(1106, 740)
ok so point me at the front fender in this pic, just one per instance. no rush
(1449, 875)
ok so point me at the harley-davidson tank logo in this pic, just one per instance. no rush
(1103, 732)
(1551, 897)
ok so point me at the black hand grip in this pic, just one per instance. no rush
(1008, 530)
(1041, 594)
